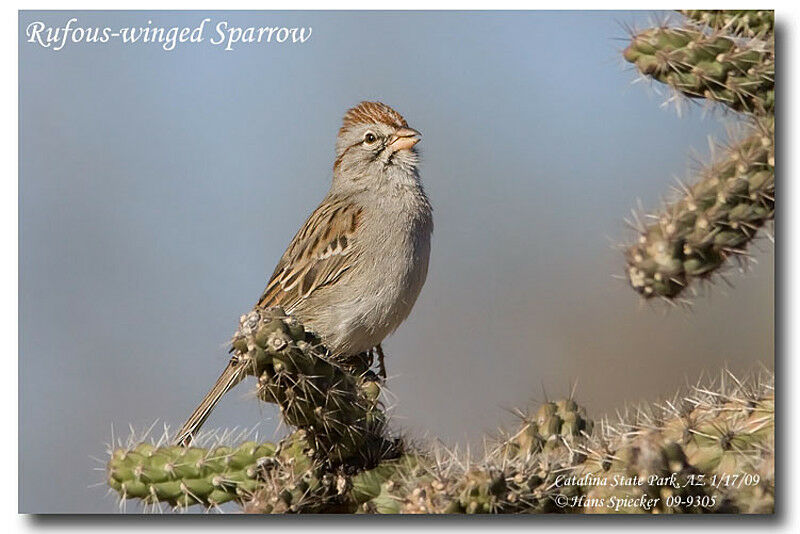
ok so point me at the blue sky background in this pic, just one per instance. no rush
(158, 189)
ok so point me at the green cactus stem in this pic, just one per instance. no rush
(339, 409)
(716, 430)
(726, 57)
(738, 74)
(181, 477)
(716, 218)
(340, 458)
(744, 23)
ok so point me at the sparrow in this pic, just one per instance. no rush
(354, 270)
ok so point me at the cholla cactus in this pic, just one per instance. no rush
(745, 23)
(727, 58)
(711, 451)
(182, 477)
(547, 428)
(337, 405)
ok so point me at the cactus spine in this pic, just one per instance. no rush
(182, 477)
(341, 459)
(730, 61)
(745, 23)
(338, 409)
(556, 461)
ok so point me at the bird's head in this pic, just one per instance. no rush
(375, 142)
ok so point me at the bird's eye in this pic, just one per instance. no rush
(370, 138)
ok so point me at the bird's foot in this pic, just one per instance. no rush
(381, 362)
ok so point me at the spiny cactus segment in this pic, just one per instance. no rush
(730, 59)
(715, 219)
(181, 477)
(745, 23)
(544, 429)
(337, 405)
(341, 460)
(710, 452)
(740, 75)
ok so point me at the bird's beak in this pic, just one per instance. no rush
(403, 139)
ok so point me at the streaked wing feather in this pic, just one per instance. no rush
(317, 256)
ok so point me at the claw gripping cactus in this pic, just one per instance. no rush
(731, 61)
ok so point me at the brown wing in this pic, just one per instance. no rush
(317, 256)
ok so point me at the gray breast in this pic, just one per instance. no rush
(380, 290)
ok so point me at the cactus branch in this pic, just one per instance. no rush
(340, 458)
(730, 60)
(715, 218)
(744, 23)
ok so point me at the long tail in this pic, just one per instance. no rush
(232, 375)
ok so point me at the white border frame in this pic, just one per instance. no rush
(787, 292)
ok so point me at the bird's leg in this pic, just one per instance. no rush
(356, 364)
(381, 363)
